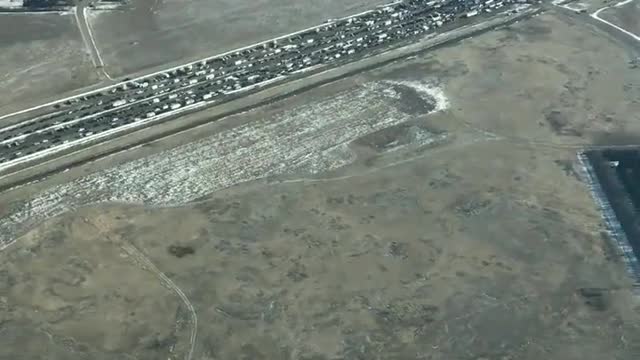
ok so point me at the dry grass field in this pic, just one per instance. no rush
(41, 56)
(428, 209)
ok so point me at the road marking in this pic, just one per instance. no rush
(31, 121)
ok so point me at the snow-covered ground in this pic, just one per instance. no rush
(311, 137)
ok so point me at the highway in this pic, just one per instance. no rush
(80, 13)
(132, 103)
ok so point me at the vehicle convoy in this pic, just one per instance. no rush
(215, 79)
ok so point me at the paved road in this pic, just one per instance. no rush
(27, 173)
(99, 114)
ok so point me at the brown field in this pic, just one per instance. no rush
(41, 56)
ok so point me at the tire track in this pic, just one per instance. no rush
(146, 264)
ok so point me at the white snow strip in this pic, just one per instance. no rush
(307, 69)
(107, 7)
(577, 7)
(257, 85)
(568, 4)
(16, 13)
(622, 3)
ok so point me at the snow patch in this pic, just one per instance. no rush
(427, 91)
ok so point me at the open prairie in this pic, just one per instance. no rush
(41, 56)
(432, 208)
